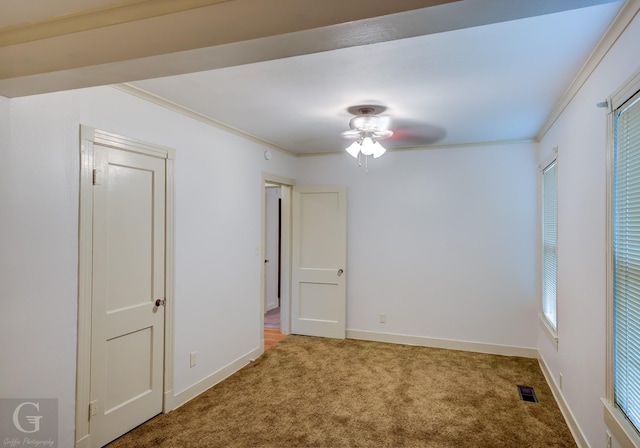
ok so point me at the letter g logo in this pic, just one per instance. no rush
(33, 419)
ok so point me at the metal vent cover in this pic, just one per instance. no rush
(527, 394)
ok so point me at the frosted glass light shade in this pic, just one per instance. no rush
(354, 149)
(365, 123)
(378, 150)
(367, 146)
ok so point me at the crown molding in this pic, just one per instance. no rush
(163, 102)
(121, 12)
(625, 16)
(514, 141)
(442, 146)
(167, 104)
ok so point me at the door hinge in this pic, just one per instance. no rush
(97, 175)
(93, 409)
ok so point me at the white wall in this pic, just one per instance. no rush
(218, 225)
(580, 134)
(442, 241)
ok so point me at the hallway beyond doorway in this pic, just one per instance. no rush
(272, 318)
(271, 337)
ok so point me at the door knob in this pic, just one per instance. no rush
(160, 302)
(340, 272)
(266, 261)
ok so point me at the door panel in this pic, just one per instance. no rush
(128, 276)
(318, 305)
(126, 380)
(321, 221)
(131, 239)
(318, 300)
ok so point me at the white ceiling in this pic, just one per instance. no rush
(286, 71)
(485, 83)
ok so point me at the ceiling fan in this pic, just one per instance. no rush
(368, 127)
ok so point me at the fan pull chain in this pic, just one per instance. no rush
(366, 162)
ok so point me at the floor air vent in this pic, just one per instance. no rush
(527, 394)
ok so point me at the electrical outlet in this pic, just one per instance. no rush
(382, 318)
(193, 359)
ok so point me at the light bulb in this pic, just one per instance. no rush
(353, 149)
(378, 150)
(367, 146)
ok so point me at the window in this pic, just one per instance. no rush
(549, 243)
(626, 258)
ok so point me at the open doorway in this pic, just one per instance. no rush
(276, 267)
(272, 255)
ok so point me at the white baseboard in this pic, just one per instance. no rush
(494, 349)
(572, 423)
(213, 379)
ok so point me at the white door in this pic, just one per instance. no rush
(272, 241)
(318, 297)
(128, 276)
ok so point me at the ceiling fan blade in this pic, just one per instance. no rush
(385, 122)
(351, 133)
(414, 133)
(382, 134)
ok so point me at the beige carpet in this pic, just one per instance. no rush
(314, 392)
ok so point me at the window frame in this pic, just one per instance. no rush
(547, 326)
(620, 426)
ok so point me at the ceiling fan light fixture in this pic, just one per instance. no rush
(354, 149)
(378, 150)
(367, 128)
(367, 146)
(365, 123)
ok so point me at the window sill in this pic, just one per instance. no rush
(620, 428)
(551, 333)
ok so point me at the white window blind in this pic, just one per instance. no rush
(549, 242)
(626, 259)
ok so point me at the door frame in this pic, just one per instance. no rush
(88, 137)
(285, 250)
